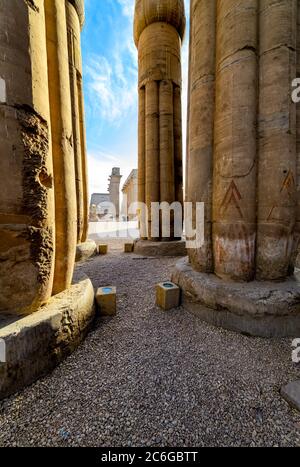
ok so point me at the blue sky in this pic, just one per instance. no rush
(110, 89)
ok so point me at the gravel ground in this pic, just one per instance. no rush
(149, 378)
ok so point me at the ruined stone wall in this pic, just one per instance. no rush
(38, 203)
(158, 30)
(242, 153)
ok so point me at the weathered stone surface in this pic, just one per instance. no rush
(86, 250)
(267, 309)
(148, 248)
(241, 159)
(37, 343)
(27, 235)
(291, 393)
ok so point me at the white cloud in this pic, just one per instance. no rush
(112, 91)
(127, 7)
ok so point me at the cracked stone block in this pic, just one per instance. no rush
(106, 298)
(167, 295)
(291, 393)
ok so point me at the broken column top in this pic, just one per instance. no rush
(152, 11)
(79, 7)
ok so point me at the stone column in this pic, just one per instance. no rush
(242, 137)
(277, 139)
(27, 233)
(75, 21)
(75, 71)
(114, 189)
(158, 30)
(62, 137)
(234, 190)
(201, 137)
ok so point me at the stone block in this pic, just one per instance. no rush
(153, 249)
(103, 249)
(291, 393)
(35, 344)
(167, 295)
(128, 247)
(106, 298)
(85, 251)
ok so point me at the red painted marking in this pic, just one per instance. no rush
(232, 196)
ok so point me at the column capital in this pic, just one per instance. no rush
(152, 11)
(79, 7)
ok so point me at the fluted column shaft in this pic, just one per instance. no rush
(242, 135)
(63, 154)
(277, 139)
(201, 123)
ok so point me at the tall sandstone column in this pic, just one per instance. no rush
(159, 27)
(75, 21)
(62, 139)
(242, 162)
(242, 136)
(42, 135)
(27, 234)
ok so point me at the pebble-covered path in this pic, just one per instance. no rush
(149, 378)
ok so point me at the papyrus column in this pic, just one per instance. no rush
(26, 176)
(63, 154)
(277, 138)
(201, 122)
(158, 29)
(234, 184)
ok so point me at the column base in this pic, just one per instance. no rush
(39, 342)
(265, 309)
(149, 248)
(85, 251)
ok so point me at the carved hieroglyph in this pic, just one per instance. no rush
(242, 152)
(38, 201)
(159, 27)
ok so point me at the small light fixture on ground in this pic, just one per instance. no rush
(103, 249)
(167, 295)
(106, 298)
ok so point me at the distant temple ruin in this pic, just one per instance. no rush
(130, 196)
(107, 205)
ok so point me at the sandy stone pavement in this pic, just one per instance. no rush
(153, 378)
